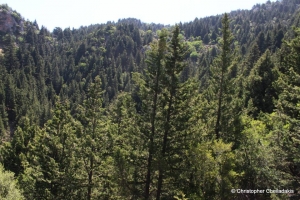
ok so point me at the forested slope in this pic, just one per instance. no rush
(129, 110)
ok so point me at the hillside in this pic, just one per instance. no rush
(130, 110)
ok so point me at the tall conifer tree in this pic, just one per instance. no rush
(95, 144)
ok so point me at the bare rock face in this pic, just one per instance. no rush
(10, 21)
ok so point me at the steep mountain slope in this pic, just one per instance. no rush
(65, 61)
(129, 110)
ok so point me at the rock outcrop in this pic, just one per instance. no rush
(10, 21)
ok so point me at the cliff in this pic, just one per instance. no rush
(10, 21)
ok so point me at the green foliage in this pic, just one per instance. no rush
(8, 186)
(261, 91)
(197, 44)
(221, 93)
(194, 55)
(214, 174)
(128, 148)
(257, 158)
(180, 196)
(131, 122)
(194, 47)
(16, 16)
(15, 152)
(95, 147)
(54, 158)
(287, 115)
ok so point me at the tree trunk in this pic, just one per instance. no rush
(220, 97)
(153, 115)
(89, 194)
(164, 148)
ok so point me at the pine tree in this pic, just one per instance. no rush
(95, 150)
(173, 138)
(155, 73)
(253, 57)
(288, 110)
(220, 77)
(16, 150)
(53, 156)
(129, 150)
(10, 54)
(164, 103)
(261, 90)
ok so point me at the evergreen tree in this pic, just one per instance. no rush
(95, 147)
(253, 57)
(261, 90)
(129, 150)
(15, 151)
(155, 73)
(53, 157)
(10, 54)
(288, 112)
(173, 136)
(261, 42)
(220, 77)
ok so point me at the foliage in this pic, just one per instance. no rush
(8, 186)
(215, 174)
(130, 110)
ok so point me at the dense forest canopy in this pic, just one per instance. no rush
(130, 110)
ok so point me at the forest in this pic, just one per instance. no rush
(126, 110)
